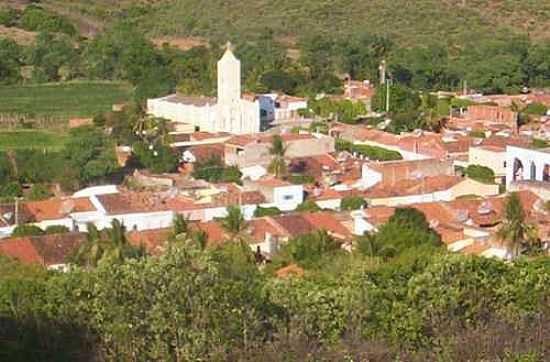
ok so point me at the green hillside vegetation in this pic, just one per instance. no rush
(62, 100)
(409, 22)
(32, 139)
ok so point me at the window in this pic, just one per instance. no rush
(288, 197)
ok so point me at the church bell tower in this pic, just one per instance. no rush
(229, 77)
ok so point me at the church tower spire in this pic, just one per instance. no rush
(229, 77)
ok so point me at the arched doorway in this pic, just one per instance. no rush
(517, 170)
(533, 172)
(546, 173)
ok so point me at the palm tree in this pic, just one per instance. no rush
(278, 149)
(369, 246)
(91, 251)
(118, 247)
(519, 234)
(234, 223)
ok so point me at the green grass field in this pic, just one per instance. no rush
(62, 101)
(32, 139)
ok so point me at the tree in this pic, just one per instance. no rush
(234, 223)
(407, 229)
(306, 250)
(10, 61)
(91, 251)
(277, 150)
(157, 157)
(50, 55)
(39, 192)
(11, 190)
(520, 235)
(369, 245)
(91, 153)
(213, 170)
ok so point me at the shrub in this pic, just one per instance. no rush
(377, 153)
(536, 109)
(35, 18)
(27, 230)
(10, 190)
(308, 206)
(266, 211)
(480, 173)
(538, 143)
(352, 203)
(56, 229)
(301, 179)
(8, 16)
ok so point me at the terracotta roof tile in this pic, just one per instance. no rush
(52, 249)
(153, 240)
(53, 209)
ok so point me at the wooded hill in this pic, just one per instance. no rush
(455, 22)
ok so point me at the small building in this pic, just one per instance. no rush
(251, 150)
(50, 251)
(493, 157)
(279, 108)
(389, 173)
(278, 193)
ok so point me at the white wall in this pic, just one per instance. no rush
(369, 176)
(527, 157)
(332, 204)
(287, 198)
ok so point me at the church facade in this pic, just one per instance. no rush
(229, 112)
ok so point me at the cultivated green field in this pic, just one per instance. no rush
(31, 139)
(62, 101)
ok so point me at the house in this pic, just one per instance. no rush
(493, 157)
(425, 189)
(466, 225)
(494, 114)
(263, 235)
(412, 146)
(389, 173)
(253, 149)
(276, 108)
(50, 251)
(278, 193)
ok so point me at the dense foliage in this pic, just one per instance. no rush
(214, 305)
(480, 173)
(374, 153)
(213, 170)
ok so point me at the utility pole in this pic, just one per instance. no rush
(17, 210)
(388, 85)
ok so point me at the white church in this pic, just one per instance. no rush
(229, 112)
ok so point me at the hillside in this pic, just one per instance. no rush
(420, 21)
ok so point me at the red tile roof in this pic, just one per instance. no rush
(46, 250)
(53, 209)
(154, 240)
(407, 187)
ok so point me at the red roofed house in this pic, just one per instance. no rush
(50, 251)
(253, 149)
